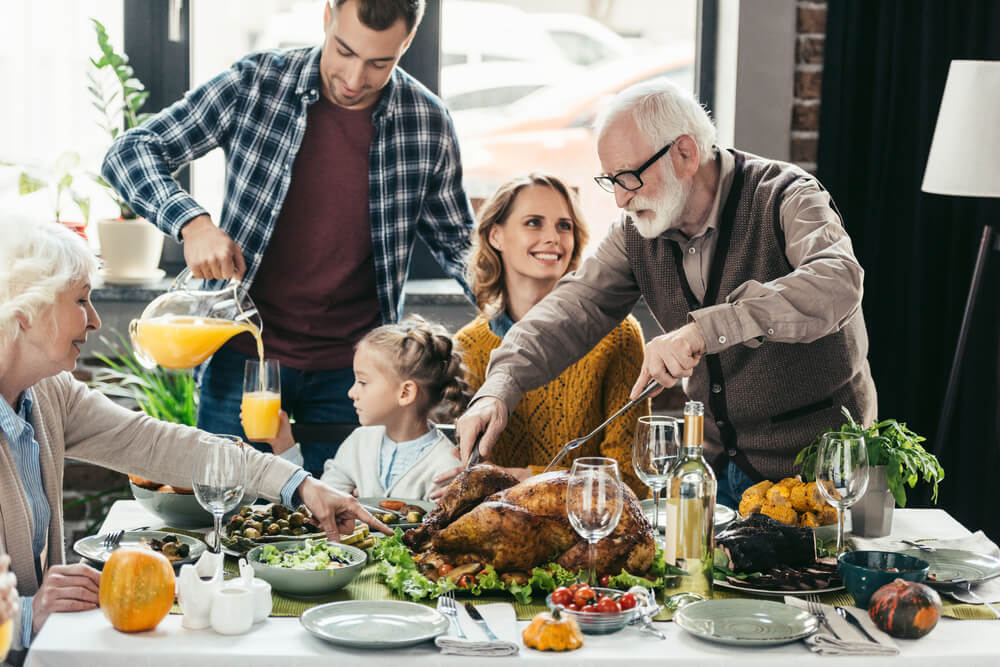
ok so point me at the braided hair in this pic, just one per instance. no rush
(425, 353)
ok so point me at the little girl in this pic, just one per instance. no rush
(402, 374)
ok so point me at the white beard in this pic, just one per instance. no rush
(666, 211)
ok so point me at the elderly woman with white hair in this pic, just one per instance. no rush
(46, 415)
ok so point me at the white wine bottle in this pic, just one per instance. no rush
(690, 525)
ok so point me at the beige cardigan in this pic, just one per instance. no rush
(72, 421)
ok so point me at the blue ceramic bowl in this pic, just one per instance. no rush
(864, 572)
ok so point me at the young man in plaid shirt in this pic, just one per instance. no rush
(336, 160)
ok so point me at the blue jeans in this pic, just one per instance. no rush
(732, 484)
(308, 396)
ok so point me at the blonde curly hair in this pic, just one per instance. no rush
(485, 267)
(38, 260)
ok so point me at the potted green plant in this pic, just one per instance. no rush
(130, 246)
(58, 178)
(896, 460)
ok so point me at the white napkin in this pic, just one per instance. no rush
(977, 543)
(502, 620)
(852, 641)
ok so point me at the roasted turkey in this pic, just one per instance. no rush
(486, 516)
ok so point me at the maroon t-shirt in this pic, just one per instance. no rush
(315, 289)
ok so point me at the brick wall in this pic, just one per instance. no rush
(810, 35)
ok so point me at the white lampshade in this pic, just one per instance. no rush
(965, 152)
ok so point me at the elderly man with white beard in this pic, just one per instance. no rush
(744, 263)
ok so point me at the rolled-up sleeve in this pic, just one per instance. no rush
(816, 298)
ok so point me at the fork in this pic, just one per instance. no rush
(816, 609)
(446, 605)
(576, 442)
(113, 539)
(966, 585)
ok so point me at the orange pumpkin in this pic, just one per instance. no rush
(137, 589)
(905, 609)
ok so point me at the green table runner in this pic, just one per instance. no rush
(366, 586)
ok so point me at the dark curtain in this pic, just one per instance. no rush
(885, 68)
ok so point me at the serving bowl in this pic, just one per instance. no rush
(599, 623)
(180, 510)
(864, 572)
(306, 583)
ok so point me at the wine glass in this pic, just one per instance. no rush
(655, 446)
(220, 472)
(842, 473)
(594, 503)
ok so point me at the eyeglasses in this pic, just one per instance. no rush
(630, 180)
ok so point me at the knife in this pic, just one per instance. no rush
(478, 618)
(849, 617)
(474, 456)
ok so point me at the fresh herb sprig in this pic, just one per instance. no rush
(892, 444)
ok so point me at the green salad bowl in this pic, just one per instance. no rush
(307, 583)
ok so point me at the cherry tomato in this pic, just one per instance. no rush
(563, 596)
(445, 569)
(606, 580)
(588, 608)
(572, 607)
(466, 580)
(627, 601)
(584, 596)
(608, 606)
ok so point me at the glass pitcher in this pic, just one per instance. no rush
(184, 326)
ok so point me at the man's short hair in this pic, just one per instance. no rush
(383, 14)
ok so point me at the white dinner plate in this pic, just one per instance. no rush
(92, 546)
(776, 593)
(746, 622)
(723, 515)
(374, 623)
(949, 565)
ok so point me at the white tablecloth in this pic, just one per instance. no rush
(87, 639)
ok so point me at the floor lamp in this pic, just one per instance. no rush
(964, 161)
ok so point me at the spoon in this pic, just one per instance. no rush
(922, 547)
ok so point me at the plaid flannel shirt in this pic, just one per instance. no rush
(256, 111)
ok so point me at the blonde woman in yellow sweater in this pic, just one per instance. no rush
(530, 233)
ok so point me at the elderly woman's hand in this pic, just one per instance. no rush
(9, 601)
(336, 511)
(65, 588)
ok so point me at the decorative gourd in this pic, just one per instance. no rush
(905, 609)
(552, 632)
(137, 589)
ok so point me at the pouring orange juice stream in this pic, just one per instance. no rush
(183, 341)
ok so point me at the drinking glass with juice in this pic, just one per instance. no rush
(261, 399)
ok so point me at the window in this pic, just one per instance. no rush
(47, 111)
(523, 78)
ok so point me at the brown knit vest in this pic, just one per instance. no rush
(771, 401)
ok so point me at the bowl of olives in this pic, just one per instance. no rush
(177, 507)
(252, 525)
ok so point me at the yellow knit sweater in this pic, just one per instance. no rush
(572, 405)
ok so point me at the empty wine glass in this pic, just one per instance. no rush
(842, 473)
(655, 446)
(219, 477)
(594, 503)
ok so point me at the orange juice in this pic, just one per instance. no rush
(5, 636)
(179, 342)
(260, 414)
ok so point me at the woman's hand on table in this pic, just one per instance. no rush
(445, 478)
(65, 588)
(334, 510)
(488, 415)
(9, 601)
